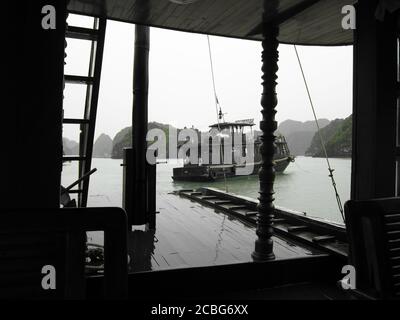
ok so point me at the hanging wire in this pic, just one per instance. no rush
(339, 202)
(219, 112)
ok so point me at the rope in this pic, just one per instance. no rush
(213, 80)
(216, 104)
(339, 202)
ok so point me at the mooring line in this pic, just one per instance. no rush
(338, 200)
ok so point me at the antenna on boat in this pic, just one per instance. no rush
(339, 202)
(220, 115)
(217, 105)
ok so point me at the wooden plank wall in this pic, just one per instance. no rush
(32, 106)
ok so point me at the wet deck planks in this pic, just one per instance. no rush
(288, 224)
(191, 235)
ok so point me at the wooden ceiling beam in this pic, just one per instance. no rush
(283, 16)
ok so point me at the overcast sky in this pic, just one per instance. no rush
(181, 92)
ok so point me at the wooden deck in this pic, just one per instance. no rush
(199, 252)
(191, 235)
(327, 237)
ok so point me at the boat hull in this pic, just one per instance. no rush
(211, 173)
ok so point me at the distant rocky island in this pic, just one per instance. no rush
(300, 134)
(123, 139)
(71, 147)
(102, 147)
(302, 139)
(337, 136)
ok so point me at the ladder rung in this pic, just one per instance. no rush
(75, 191)
(76, 121)
(81, 33)
(78, 79)
(73, 158)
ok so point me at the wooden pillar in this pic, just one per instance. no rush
(374, 105)
(32, 98)
(140, 116)
(264, 244)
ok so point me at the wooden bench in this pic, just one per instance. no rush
(373, 228)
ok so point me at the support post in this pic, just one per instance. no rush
(151, 195)
(264, 244)
(140, 118)
(374, 105)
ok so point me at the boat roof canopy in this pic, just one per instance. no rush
(302, 22)
(238, 124)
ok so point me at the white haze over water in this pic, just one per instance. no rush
(304, 186)
(181, 91)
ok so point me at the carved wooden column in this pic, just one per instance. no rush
(264, 244)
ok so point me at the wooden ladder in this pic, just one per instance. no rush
(92, 82)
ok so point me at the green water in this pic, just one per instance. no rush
(304, 186)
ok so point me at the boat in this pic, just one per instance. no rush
(223, 132)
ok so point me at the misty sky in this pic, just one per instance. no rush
(181, 92)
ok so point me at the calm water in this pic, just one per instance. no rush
(304, 186)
